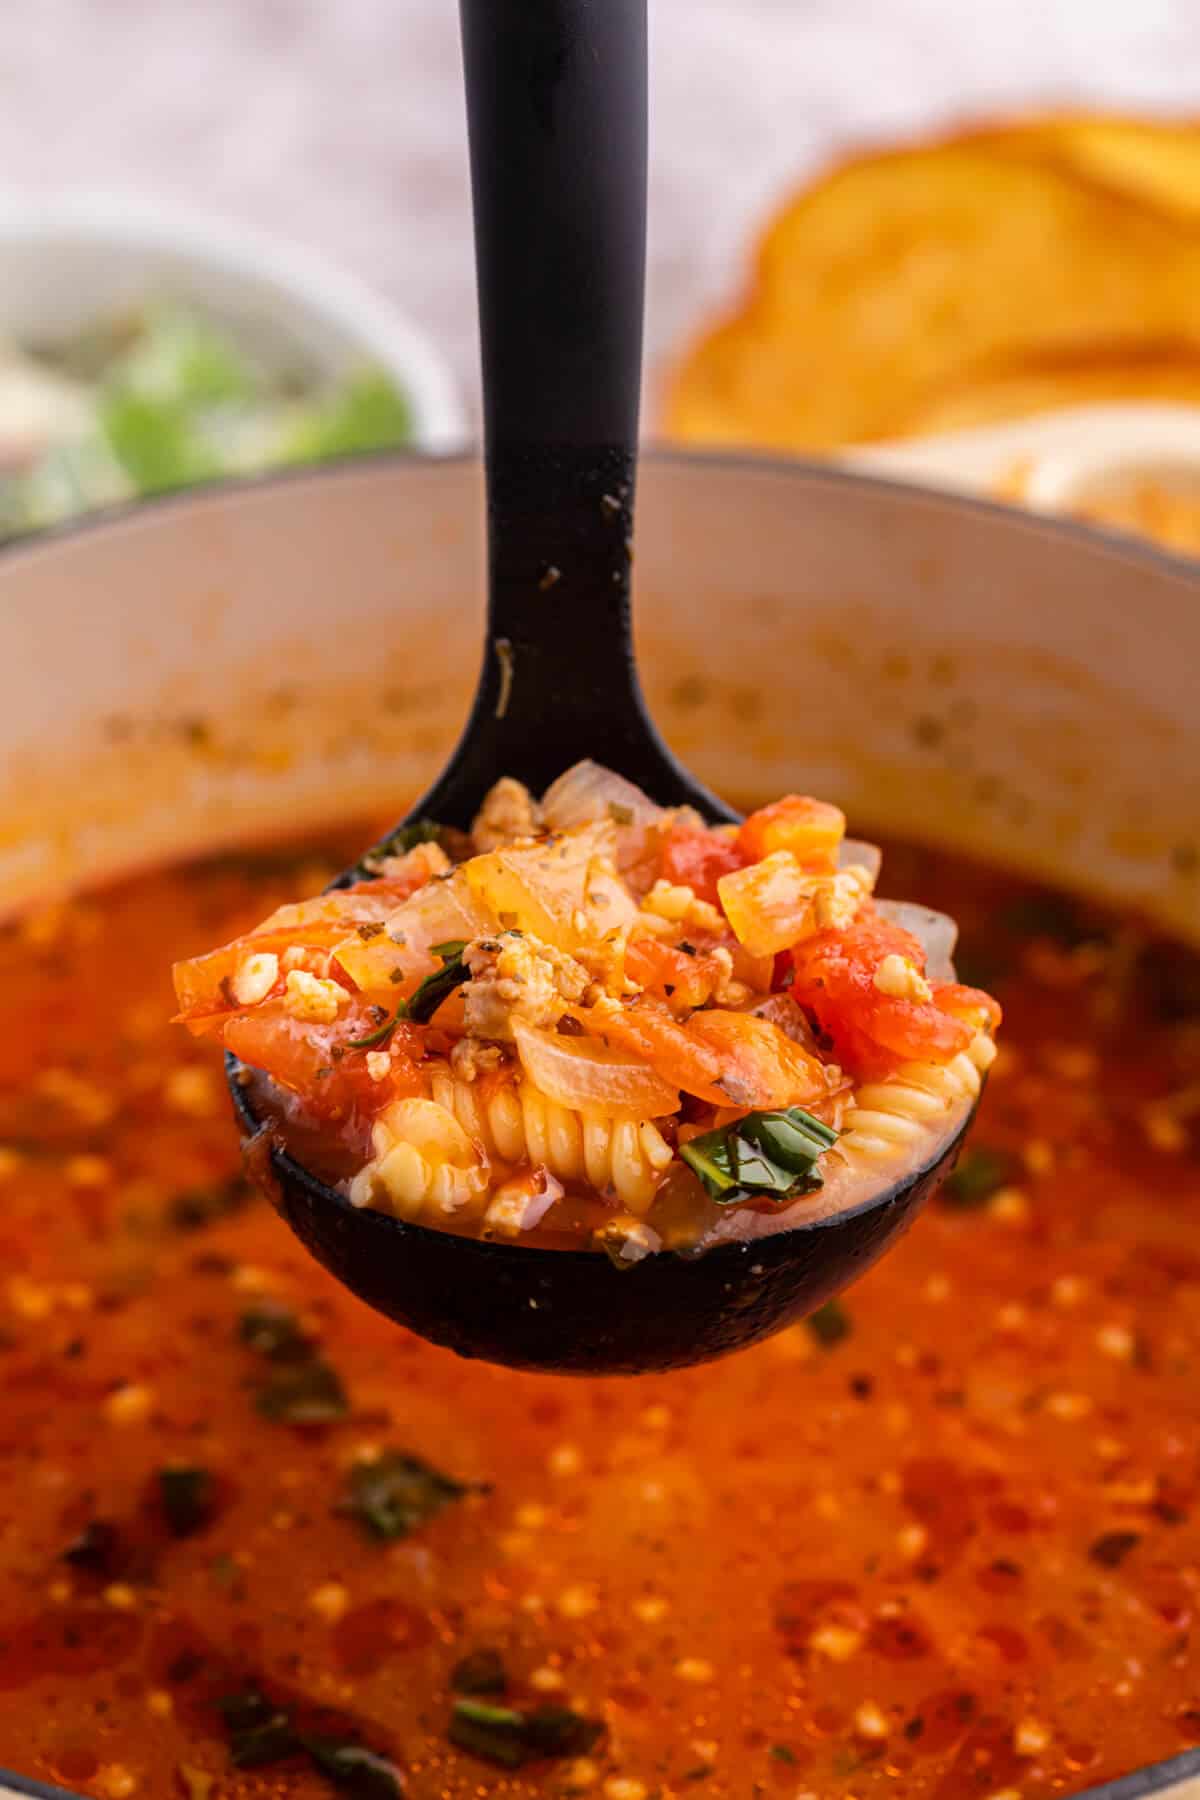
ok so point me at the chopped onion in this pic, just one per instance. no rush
(868, 856)
(588, 1077)
(588, 793)
(561, 893)
(442, 912)
(936, 931)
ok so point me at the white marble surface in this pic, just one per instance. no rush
(339, 122)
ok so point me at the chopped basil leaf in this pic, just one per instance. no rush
(980, 1173)
(259, 1732)
(492, 1732)
(794, 1139)
(401, 841)
(407, 837)
(97, 1548)
(781, 1753)
(196, 1207)
(355, 1770)
(830, 1323)
(501, 1734)
(436, 988)
(557, 1731)
(381, 1032)
(188, 1496)
(274, 1331)
(311, 1394)
(395, 1494)
(1113, 1547)
(482, 1672)
(711, 1158)
(766, 1154)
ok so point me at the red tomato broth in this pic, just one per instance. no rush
(968, 1511)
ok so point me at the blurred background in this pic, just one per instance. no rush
(341, 125)
(339, 128)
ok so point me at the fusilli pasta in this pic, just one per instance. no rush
(886, 1118)
(449, 1169)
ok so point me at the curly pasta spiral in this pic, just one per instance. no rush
(436, 1155)
(516, 1123)
(888, 1117)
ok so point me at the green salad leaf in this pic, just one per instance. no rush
(368, 413)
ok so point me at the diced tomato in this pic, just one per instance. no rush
(872, 1032)
(726, 1058)
(665, 970)
(202, 984)
(761, 1067)
(648, 1029)
(697, 858)
(979, 1010)
(810, 829)
(319, 924)
(317, 1061)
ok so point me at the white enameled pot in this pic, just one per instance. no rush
(261, 658)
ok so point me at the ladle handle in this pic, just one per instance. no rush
(556, 102)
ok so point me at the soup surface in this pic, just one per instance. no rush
(940, 1541)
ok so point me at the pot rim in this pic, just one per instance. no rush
(739, 461)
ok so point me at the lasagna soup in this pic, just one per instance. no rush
(939, 1542)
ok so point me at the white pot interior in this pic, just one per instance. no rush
(258, 660)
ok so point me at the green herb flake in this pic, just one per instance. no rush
(194, 1208)
(437, 988)
(981, 1172)
(401, 841)
(619, 814)
(380, 1034)
(481, 1672)
(259, 1732)
(501, 1734)
(274, 1332)
(829, 1324)
(310, 1394)
(187, 1494)
(766, 1154)
(395, 1494)
(1113, 1547)
(355, 1770)
(780, 1753)
(97, 1548)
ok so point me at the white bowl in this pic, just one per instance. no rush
(66, 263)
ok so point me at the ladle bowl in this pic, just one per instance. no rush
(571, 1311)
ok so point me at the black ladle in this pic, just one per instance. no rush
(556, 99)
